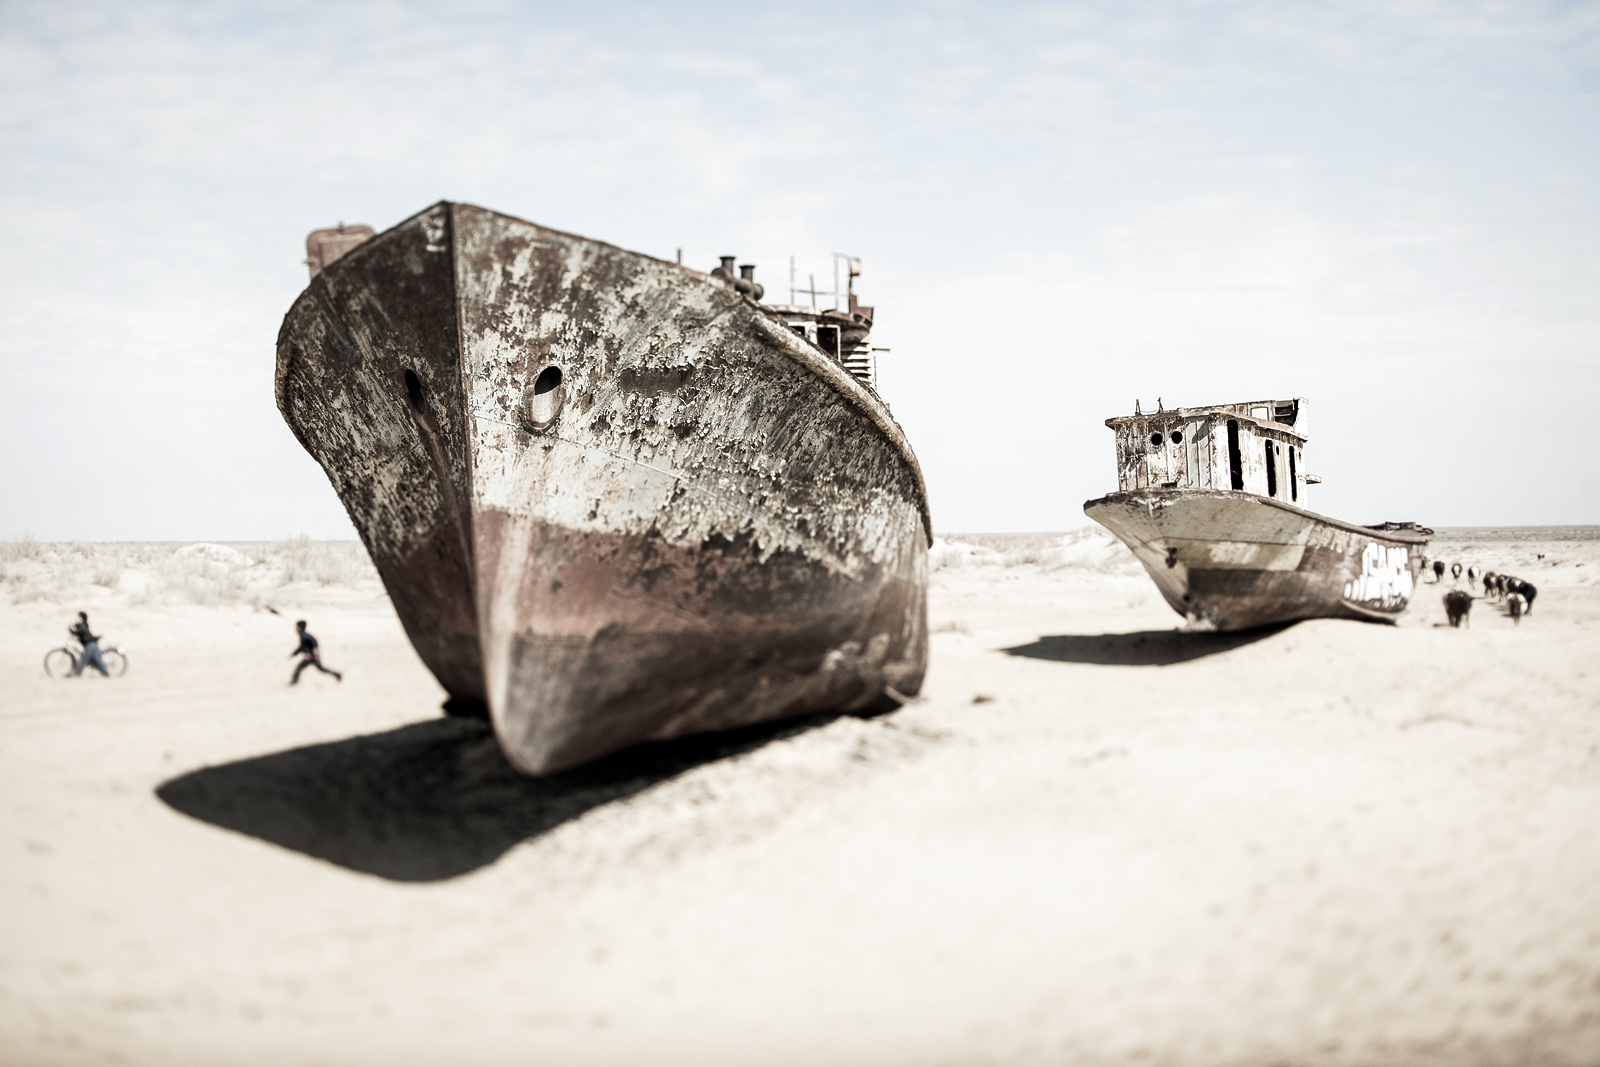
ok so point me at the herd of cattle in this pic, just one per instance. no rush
(1516, 594)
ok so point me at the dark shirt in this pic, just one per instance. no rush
(80, 631)
(308, 644)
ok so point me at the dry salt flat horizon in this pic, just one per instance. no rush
(1094, 839)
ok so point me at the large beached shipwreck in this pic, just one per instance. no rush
(613, 499)
(1210, 501)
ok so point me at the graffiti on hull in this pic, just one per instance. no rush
(1385, 581)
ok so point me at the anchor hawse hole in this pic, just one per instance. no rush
(542, 402)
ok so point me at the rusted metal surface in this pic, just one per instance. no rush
(1209, 503)
(616, 499)
(399, 466)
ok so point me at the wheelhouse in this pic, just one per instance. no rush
(1254, 447)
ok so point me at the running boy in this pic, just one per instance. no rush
(309, 656)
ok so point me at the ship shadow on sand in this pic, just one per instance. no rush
(1147, 648)
(433, 800)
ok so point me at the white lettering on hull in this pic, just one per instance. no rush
(1385, 580)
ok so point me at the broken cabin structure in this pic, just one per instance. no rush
(1254, 447)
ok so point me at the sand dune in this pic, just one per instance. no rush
(1094, 841)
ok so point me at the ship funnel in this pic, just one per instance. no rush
(747, 281)
(725, 272)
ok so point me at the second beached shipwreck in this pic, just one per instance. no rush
(1211, 501)
(613, 499)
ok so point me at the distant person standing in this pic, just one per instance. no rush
(309, 656)
(91, 646)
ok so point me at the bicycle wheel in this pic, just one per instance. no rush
(58, 663)
(116, 661)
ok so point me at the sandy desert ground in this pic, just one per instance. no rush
(1093, 841)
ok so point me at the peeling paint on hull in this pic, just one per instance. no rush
(1227, 560)
(611, 498)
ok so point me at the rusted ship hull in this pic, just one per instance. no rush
(612, 500)
(1227, 560)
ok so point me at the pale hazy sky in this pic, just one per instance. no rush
(1390, 208)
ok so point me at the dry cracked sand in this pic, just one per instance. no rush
(1093, 841)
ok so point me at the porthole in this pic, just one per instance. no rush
(541, 402)
(1155, 440)
(1177, 437)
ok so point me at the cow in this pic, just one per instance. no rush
(1438, 570)
(1514, 604)
(1457, 605)
(1488, 583)
(1472, 577)
(1527, 591)
(1455, 572)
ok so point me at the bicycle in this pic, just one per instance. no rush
(63, 662)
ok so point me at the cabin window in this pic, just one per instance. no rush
(828, 340)
(1155, 440)
(1294, 476)
(1177, 437)
(1272, 472)
(1235, 457)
